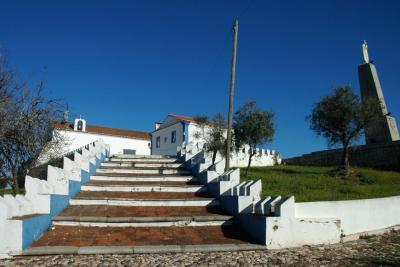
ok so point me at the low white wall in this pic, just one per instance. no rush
(356, 216)
(44, 199)
(286, 232)
(279, 222)
(263, 157)
(117, 144)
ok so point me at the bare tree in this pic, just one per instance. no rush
(26, 127)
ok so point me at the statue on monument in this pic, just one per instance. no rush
(365, 52)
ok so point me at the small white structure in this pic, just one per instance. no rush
(169, 135)
(121, 141)
(177, 132)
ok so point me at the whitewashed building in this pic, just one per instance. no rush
(121, 141)
(169, 135)
(176, 132)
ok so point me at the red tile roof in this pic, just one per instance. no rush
(182, 118)
(106, 131)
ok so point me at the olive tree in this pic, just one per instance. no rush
(26, 127)
(212, 134)
(254, 127)
(215, 140)
(341, 118)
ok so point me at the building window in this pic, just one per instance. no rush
(129, 152)
(158, 142)
(165, 139)
(80, 125)
(173, 137)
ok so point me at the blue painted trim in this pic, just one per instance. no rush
(185, 130)
(74, 188)
(32, 228)
(58, 203)
(85, 176)
(255, 226)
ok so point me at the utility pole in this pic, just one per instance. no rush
(231, 93)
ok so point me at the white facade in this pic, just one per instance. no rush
(190, 135)
(162, 140)
(119, 144)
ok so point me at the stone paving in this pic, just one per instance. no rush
(381, 250)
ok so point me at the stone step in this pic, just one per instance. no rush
(138, 211)
(136, 183)
(140, 168)
(124, 156)
(145, 202)
(139, 171)
(144, 188)
(141, 195)
(144, 249)
(146, 160)
(143, 221)
(141, 164)
(141, 236)
(143, 178)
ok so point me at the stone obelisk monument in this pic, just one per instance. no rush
(385, 129)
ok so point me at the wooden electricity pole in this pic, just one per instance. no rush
(231, 93)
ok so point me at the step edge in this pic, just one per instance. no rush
(68, 250)
(197, 218)
(142, 185)
(145, 199)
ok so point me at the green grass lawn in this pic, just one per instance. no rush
(308, 183)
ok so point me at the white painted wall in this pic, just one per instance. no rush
(356, 216)
(77, 139)
(18, 233)
(264, 157)
(166, 147)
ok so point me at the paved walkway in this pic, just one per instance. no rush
(373, 251)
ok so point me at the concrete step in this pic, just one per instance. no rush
(143, 178)
(139, 236)
(142, 195)
(143, 160)
(136, 183)
(145, 202)
(144, 188)
(115, 170)
(141, 249)
(143, 221)
(124, 156)
(138, 211)
(141, 164)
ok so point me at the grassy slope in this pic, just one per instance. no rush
(316, 183)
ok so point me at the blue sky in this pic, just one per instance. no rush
(127, 64)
